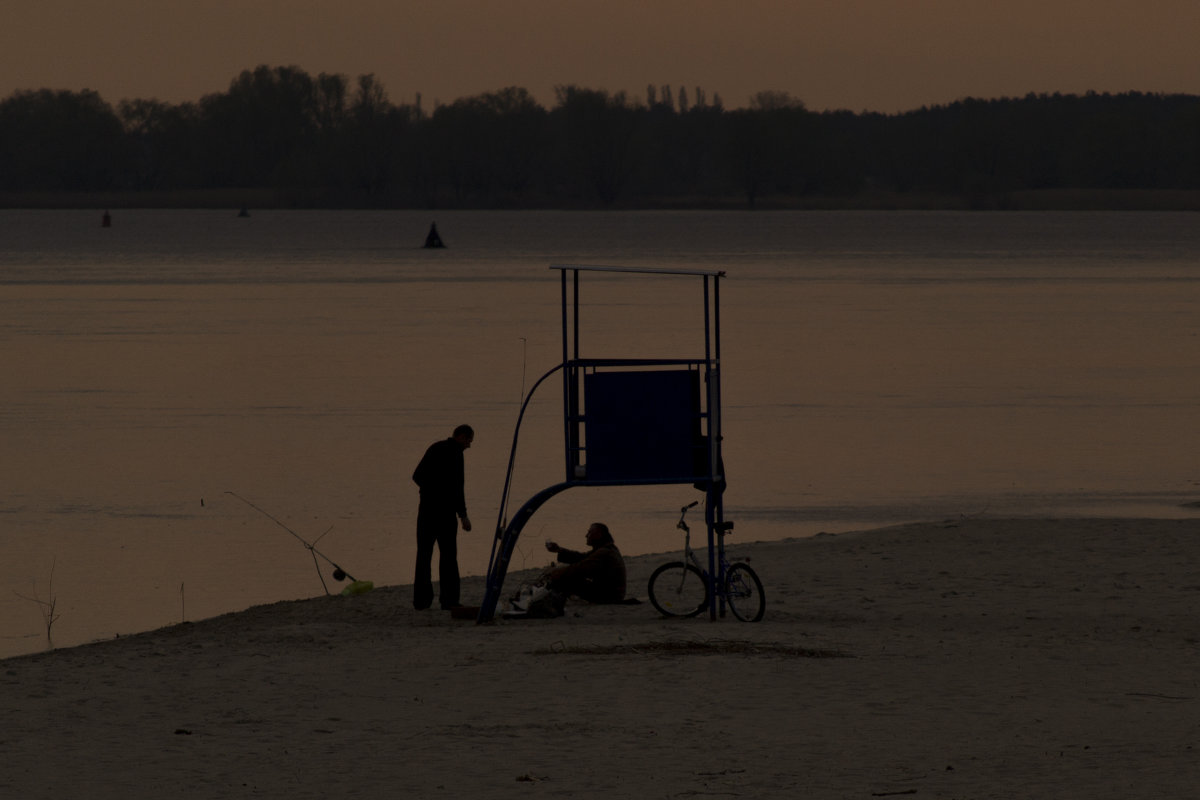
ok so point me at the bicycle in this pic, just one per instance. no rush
(681, 588)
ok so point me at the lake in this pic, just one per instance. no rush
(877, 368)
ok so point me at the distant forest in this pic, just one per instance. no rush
(282, 137)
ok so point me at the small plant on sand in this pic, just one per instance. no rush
(46, 607)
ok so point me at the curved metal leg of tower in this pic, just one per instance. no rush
(508, 540)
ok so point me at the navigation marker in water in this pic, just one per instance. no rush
(432, 239)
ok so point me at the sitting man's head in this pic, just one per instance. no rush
(598, 534)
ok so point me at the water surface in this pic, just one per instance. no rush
(877, 368)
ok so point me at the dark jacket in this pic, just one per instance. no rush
(597, 576)
(440, 476)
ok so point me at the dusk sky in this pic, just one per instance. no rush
(876, 55)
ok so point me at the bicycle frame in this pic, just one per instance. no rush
(716, 584)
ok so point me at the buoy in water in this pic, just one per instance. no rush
(432, 239)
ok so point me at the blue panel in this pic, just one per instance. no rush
(641, 426)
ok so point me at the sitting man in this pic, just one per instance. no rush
(597, 576)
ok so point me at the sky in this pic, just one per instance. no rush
(861, 55)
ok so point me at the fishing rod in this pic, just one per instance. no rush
(502, 519)
(339, 574)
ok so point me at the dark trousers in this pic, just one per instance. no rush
(583, 588)
(440, 527)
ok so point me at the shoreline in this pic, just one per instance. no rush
(986, 658)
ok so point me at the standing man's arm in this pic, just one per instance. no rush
(461, 497)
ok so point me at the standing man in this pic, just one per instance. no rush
(440, 477)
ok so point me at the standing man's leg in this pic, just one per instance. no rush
(427, 535)
(448, 577)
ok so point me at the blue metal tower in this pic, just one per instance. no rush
(628, 422)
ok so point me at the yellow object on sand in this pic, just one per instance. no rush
(357, 587)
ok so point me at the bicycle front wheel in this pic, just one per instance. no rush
(744, 593)
(678, 590)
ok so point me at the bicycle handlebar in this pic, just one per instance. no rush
(681, 525)
(721, 527)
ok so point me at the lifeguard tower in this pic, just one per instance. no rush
(629, 421)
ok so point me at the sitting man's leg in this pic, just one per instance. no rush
(583, 588)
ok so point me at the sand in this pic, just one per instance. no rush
(959, 659)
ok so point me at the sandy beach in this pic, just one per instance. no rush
(969, 658)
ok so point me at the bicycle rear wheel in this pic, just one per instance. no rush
(678, 590)
(744, 593)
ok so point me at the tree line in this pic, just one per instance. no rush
(326, 140)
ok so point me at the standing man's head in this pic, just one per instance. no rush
(464, 435)
(597, 534)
